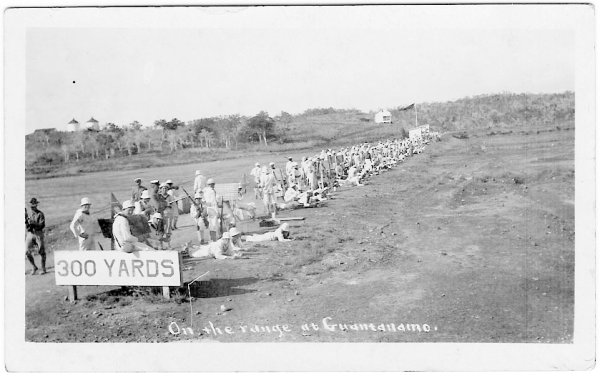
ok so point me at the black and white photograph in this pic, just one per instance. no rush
(343, 187)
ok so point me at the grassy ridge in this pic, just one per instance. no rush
(334, 128)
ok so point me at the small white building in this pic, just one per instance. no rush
(92, 124)
(73, 125)
(384, 117)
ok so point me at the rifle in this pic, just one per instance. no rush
(27, 221)
(198, 207)
(221, 217)
(283, 180)
(177, 199)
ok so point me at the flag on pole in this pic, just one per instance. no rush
(410, 106)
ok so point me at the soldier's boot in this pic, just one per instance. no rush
(44, 264)
(32, 262)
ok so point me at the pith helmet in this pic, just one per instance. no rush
(128, 204)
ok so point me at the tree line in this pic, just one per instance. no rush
(50, 146)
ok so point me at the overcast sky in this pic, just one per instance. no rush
(193, 63)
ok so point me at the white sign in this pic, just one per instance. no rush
(414, 133)
(116, 268)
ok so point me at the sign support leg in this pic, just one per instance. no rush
(72, 293)
(166, 292)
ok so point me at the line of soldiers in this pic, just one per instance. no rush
(307, 183)
(304, 184)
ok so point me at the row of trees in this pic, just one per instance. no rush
(49, 146)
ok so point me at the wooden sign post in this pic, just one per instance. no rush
(113, 202)
(116, 268)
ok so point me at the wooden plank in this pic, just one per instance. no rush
(113, 202)
(72, 293)
(291, 219)
(181, 269)
(166, 292)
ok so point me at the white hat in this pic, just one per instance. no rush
(198, 195)
(226, 236)
(145, 194)
(271, 164)
(234, 231)
(85, 201)
(197, 172)
(290, 158)
(163, 185)
(210, 181)
(154, 181)
(156, 216)
(285, 227)
(169, 181)
(128, 204)
(257, 164)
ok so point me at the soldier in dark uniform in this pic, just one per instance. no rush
(35, 224)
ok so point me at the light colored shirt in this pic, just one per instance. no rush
(269, 183)
(199, 183)
(256, 173)
(122, 232)
(82, 223)
(290, 195)
(216, 249)
(210, 196)
(289, 167)
(143, 208)
(268, 236)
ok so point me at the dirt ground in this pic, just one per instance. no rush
(471, 241)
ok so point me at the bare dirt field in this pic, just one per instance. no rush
(471, 241)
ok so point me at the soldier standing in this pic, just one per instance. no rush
(35, 225)
(83, 226)
(137, 190)
(174, 195)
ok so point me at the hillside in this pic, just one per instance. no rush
(53, 153)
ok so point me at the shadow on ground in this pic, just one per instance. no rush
(220, 287)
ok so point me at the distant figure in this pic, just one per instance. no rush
(137, 190)
(35, 225)
(291, 194)
(167, 212)
(160, 234)
(289, 166)
(200, 216)
(210, 194)
(83, 226)
(282, 234)
(173, 191)
(269, 186)
(354, 177)
(256, 174)
(126, 242)
(143, 206)
(199, 182)
(236, 240)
